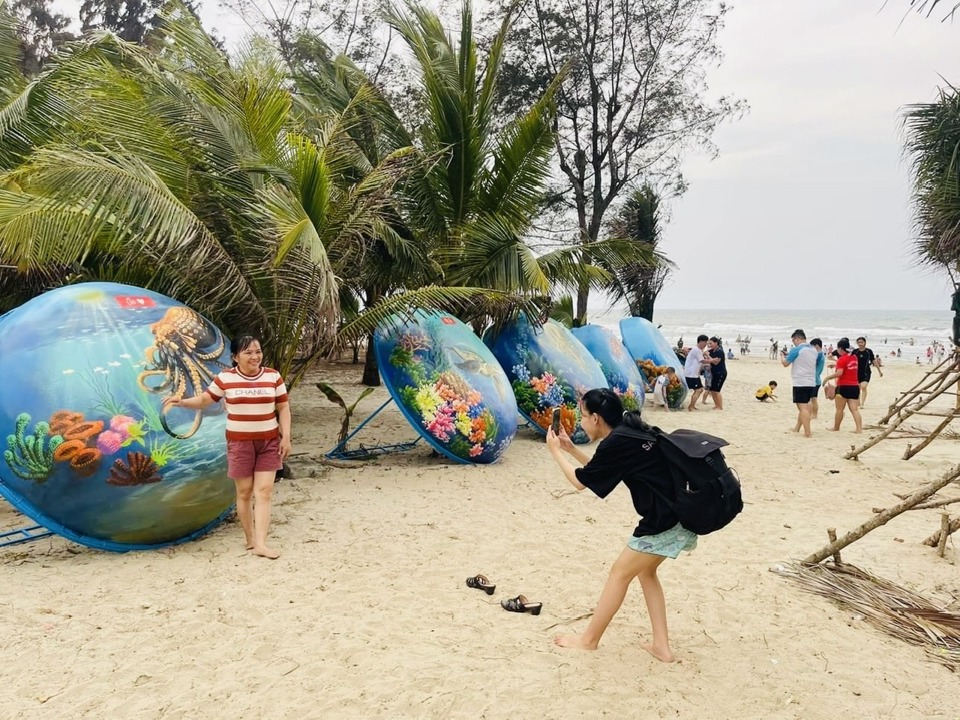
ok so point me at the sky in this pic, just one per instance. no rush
(807, 205)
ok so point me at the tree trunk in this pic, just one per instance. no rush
(371, 373)
(580, 317)
(646, 307)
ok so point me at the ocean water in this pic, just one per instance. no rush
(910, 331)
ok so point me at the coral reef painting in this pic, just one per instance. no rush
(548, 368)
(618, 367)
(448, 385)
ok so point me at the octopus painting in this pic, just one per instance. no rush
(184, 357)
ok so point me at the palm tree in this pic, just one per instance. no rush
(481, 187)
(933, 146)
(926, 7)
(218, 196)
(639, 283)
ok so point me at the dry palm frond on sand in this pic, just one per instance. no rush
(893, 609)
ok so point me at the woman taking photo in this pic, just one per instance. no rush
(629, 455)
(848, 387)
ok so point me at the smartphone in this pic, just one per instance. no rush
(555, 424)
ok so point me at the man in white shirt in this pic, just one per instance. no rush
(692, 368)
(802, 361)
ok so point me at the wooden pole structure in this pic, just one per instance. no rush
(832, 535)
(883, 518)
(911, 451)
(854, 453)
(934, 540)
(931, 383)
(944, 533)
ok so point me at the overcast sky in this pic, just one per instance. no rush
(808, 204)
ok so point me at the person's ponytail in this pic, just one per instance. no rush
(633, 420)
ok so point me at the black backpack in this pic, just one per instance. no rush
(706, 492)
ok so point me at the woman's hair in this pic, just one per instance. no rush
(240, 343)
(843, 343)
(607, 404)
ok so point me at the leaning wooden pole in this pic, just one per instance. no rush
(855, 452)
(932, 383)
(911, 451)
(952, 527)
(883, 518)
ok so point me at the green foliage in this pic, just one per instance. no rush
(348, 410)
(932, 143)
(639, 283)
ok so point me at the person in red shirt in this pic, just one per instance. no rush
(848, 386)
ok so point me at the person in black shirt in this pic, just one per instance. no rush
(718, 371)
(866, 360)
(627, 453)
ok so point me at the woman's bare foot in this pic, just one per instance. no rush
(264, 551)
(833, 429)
(250, 543)
(661, 654)
(574, 641)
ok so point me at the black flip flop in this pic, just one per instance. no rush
(519, 604)
(480, 582)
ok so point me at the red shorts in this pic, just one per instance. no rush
(245, 457)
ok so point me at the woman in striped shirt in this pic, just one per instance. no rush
(258, 434)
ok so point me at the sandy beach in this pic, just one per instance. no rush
(366, 613)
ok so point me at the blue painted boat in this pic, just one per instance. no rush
(615, 361)
(653, 354)
(548, 368)
(448, 385)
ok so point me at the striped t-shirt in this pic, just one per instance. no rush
(251, 402)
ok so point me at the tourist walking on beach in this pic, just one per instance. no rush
(718, 370)
(802, 361)
(865, 362)
(817, 344)
(848, 387)
(626, 454)
(258, 434)
(692, 368)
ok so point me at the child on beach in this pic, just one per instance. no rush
(625, 455)
(766, 392)
(258, 434)
(660, 386)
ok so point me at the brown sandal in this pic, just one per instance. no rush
(519, 604)
(480, 582)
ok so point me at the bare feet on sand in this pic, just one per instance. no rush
(661, 654)
(574, 641)
(264, 551)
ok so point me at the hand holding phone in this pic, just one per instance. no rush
(555, 423)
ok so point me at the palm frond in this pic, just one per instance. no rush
(467, 303)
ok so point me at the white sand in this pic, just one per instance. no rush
(366, 613)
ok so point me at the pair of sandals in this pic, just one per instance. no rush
(518, 604)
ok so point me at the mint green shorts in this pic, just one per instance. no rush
(669, 543)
